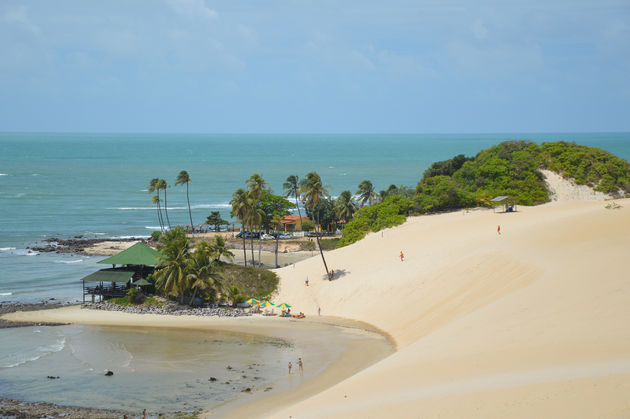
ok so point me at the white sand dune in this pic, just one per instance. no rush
(534, 322)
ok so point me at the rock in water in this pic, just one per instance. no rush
(109, 373)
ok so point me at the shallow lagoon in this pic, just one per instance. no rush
(162, 370)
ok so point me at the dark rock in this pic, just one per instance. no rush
(247, 390)
(109, 373)
(212, 379)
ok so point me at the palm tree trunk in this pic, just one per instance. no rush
(277, 238)
(159, 215)
(251, 242)
(321, 252)
(193, 297)
(166, 210)
(298, 208)
(244, 251)
(192, 229)
(259, 247)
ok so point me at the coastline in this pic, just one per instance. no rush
(357, 356)
(483, 322)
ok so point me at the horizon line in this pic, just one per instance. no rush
(308, 133)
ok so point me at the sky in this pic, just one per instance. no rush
(289, 66)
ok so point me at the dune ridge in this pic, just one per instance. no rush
(529, 322)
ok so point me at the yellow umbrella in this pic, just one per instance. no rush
(284, 305)
(252, 301)
(266, 304)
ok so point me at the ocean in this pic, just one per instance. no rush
(95, 185)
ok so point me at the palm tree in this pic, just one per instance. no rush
(220, 249)
(313, 191)
(153, 187)
(254, 217)
(344, 206)
(239, 210)
(200, 272)
(182, 178)
(170, 273)
(156, 200)
(277, 219)
(163, 185)
(256, 186)
(366, 192)
(292, 188)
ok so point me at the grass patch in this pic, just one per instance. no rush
(123, 301)
(251, 282)
(329, 244)
(307, 245)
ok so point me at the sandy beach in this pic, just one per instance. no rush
(357, 346)
(531, 322)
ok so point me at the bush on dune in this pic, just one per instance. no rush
(391, 212)
(511, 168)
(587, 166)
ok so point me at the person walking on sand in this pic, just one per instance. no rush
(300, 364)
(319, 311)
(290, 365)
(499, 229)
(306, 281)
(402, 256)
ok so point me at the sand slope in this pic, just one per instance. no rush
(532, 322)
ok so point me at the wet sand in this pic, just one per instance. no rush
(356, 346)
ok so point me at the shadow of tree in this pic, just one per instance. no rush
(339, 273)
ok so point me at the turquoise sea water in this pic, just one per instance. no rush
(94, 185)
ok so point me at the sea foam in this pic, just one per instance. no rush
(69, 261)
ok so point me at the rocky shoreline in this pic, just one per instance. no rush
(169, 309)
(77, 245)
(11, 408)
(12, 308)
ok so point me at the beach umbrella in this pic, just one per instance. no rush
(142, 282)
(252, 301)
(266, 304)
(283, 305)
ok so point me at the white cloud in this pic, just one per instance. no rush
(192, 8)
(20, 16)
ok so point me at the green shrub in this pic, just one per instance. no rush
(123, 301)
(251, 282)
(329, 244)
(587, 165)
(307, 225)
(307, 245)
(391, 212)
(135, 296)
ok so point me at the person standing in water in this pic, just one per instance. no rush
(300, 364)
(290, 365)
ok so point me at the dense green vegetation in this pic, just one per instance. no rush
(184, 273)
(587, 165)
(250, 282)
(511, 168)
(391, 212)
